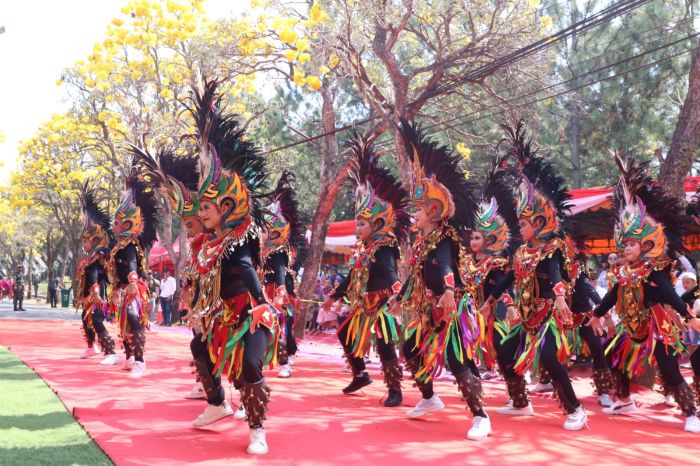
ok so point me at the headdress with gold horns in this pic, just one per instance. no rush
(138, 209)
(438, 179)
(232, 170)
(96, 226)
(379, 196)
(282, 215)
(646, 213)
(541, 196)
(496, 217)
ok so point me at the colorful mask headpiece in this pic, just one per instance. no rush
(96, 226)
(129, 214)
(537, 209)
(635, 224)
(277, 226)
(138, 210)
(493, 226)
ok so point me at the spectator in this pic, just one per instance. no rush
(154, 289)
(602, 281)
(689, 282)
(54, 286)
(35, 283)
(167, 290)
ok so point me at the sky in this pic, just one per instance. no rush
(41, 39)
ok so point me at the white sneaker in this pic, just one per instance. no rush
(576, 420)
(621, 407)
(687, 365)
(490, 375)
(89, 351)
(240, 412)
(258, 444)
(528, 377)
(604, 400)
(137, 370)
(197, 392)
(692, 424)
(510, 410)
(110, 360)
(128, 363)
(292, 360)
(285, 372)
(481, 428)
(212, 414)
(431, 405)
(670, 401)
(542, 388)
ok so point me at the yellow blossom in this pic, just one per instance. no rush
(333, 60)
(288, 36)
(291, 55)
(304, 57)
(302, 45)
(298, 77)
(463, 151)
(314, 82)
(546, 22)
(324, 70)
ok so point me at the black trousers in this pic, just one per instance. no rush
(410, 352)
(291, 339)
(132, 318)
(667, 363)
(386, 350)
(548, 359)
(18, 299)
(53, 297)
(594, 345)
(98, 326)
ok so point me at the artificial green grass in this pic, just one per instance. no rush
(35, 428)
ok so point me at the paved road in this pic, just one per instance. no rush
(37, 311)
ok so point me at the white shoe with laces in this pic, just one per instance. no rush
(542, 388)
(285, 372)
(110, 360)
(128, 363)
(604, 400)
(431, 405)
(481, 428)
(510, 410)
(489, 375)
(212, 414)
(137, 370)
(528, 377)
(576, 420)
(240, 413)
(197, 392)
(692, 424)
(258, 443)
(670, 401)
(88, 352)
(621, 407)
(292, 360)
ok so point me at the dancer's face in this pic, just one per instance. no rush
(476, 243)
(527, 230)
(87, 245)
(633, 251)
(363, 229)
(193, 226)
(210, 215)
(422, 218)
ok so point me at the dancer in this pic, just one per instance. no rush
(439, 330)
(492, 242)
(135, 224)
(283, 230)
(650, 228)
(540, 276)
(92, 277)
(382, 223)
(233, 317)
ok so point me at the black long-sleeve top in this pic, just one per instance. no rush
(126, 262)
(276, 268)
(689, 297)
(584, 294)
(95, 273)
(440, 263)
(382, 272)
(289, 284)
(657, 289)
(238, 274)
(548, 274)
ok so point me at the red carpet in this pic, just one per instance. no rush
(147, 422)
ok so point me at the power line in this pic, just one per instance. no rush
(585, 24)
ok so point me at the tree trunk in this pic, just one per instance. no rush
(686, 137)
(575, 140)
(30, 272)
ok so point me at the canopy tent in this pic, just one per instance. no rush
(590, 209)
(158, 258)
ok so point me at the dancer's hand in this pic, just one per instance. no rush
(486, 310)
(610, 324)
(132, 289)
(596, 324)
(563, 309)
(447, 304)
(512, 314)
(694, 324)
(327, 304)
(261, 314)
(395, 308)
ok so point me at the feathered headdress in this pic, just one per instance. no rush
(379, 196)
(496, 217)
(97, 226)
(646, 212)
(541, 196)
(438, 179)
(282, 214)
(137, 214)
(233, 172)
(177, 175)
